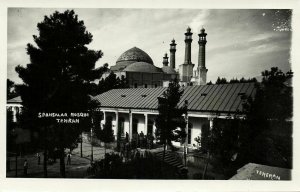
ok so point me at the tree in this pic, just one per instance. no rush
(235, 80)
(264, 136)
(267, 136)
(209, 83)
(221, 80)
(170, 123)
(111, 82)
(106, 135)
(57, 79)
(11, 89)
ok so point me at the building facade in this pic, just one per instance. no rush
(135, 110)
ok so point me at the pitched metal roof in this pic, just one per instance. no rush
(225, 98)
(15, 100)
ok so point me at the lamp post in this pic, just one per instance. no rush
(92, 140)
(92, 145)
(187, 131)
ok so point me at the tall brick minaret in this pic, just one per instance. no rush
(202, 71)
(172, 54)
(186, 69)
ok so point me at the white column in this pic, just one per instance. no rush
(153, 129)
(117, 124)
(211, 123)
(14, 110)
(146, 124)
(102, 123)
(130, 125)
(104, 117)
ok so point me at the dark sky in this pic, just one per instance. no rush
(241, 43)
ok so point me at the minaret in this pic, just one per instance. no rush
(165, 60)
(188, 42)
(202, 71)
(172, 53)
(186, 69)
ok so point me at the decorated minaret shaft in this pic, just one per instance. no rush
(188, 41)
(172, 54)
(201, 69)
(186, 69)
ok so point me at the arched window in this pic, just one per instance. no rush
(190, 133)
(135, 125)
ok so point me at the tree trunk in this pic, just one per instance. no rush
(62, 163)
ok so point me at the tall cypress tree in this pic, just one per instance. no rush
(56, 79)
(170, 122)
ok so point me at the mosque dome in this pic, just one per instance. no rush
(131, 56)
(168, 70)
(142, 67)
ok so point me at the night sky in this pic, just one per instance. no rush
(240, 43)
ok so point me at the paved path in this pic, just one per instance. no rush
(77, 169)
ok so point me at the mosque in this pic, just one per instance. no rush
(134, 110)
(139, 70)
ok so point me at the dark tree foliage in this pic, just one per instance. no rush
(107, 83)
(235, 80)
(221, 80)
(264, 136)
(57, 79)
(111, 82)
(106, 134)
(209, 83)
(11, 89)
(204, 139)
(224, 143)
(170, 123)
(268, 129)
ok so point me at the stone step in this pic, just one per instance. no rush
(171, 159)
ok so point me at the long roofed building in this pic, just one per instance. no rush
(134, 110)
